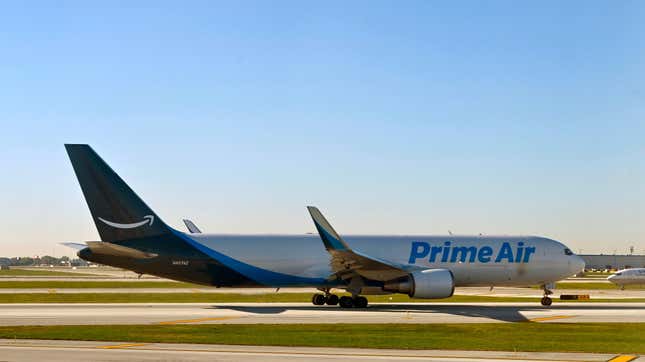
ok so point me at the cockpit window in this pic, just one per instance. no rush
(568, 252)
(618, 274)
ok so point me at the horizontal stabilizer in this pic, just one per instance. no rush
(105, 248)
(77, 246)
(192, 228)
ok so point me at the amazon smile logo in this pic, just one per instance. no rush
(148, 219)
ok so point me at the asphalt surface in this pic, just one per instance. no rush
(53, 351)
(249, 313)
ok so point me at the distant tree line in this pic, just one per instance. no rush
(43, 260)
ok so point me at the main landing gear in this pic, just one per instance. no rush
(344, 301)
(546, 300)
(320, 299)
(355, 302)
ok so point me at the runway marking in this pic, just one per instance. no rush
(180, 321)
(623, 358)
(124, 345)
(551, 318)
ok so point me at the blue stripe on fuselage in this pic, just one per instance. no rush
(262, 276)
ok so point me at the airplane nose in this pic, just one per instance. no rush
(577, 264)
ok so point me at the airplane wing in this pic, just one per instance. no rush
(192, 228)
(345, 262)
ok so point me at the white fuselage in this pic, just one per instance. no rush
(628, 276)
(474, 260)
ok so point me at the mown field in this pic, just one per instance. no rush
(593, 285)
(46, 273)
(544, 337)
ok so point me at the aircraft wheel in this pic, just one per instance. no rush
(332, 299)
(546, 301)
(346, 302)
(360, 302)
(318, 299)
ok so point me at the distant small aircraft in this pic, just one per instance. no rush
(627, 277)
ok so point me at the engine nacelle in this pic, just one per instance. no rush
(428, 284)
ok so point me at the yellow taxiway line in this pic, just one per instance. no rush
(551, 318)
(623, 358)
(124, 345)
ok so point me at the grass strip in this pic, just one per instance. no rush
(48, 273)
(81, 284)
(539, 337)
(596, 285)
(591, 274)
(247, 298)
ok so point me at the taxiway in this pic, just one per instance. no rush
(55, 351)
(269, 313)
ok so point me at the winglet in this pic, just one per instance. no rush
(329, 236)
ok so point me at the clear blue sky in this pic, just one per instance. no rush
(393, 117)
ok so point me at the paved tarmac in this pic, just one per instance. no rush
(54, 351)
(249, 313)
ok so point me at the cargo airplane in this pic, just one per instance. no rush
(133, 237)
(628, 277)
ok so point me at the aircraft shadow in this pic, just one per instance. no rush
(503, 313)
(506, 314)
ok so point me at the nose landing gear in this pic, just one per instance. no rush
(546, 300)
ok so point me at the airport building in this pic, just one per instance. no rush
(613, 261)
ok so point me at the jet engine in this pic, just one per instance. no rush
(428, 284)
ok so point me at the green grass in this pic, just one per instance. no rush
(592, 285)
(245, 298)
(59, 284)
(592, 274)
(598, 276)
(545, 337)
(48, 273)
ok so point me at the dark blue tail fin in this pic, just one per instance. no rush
(119, 214)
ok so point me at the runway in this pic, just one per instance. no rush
(54, 351)
(288, 313)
